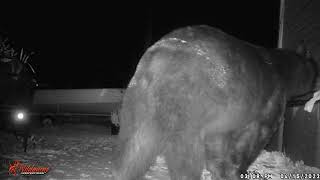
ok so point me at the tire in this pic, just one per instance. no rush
(47, 121)
(114, 129)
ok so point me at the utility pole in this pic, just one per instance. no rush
(281, 23)
(280, 45)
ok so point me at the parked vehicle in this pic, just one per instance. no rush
(60, 105)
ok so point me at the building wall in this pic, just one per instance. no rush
(302, 129)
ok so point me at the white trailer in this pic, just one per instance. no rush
(54, 103)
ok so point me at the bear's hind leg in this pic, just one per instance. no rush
(138, 152)
(218, 160)
(184, 158)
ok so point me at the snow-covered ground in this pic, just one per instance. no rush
(70, 151)
(85, 152)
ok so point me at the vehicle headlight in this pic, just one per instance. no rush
(20, 116)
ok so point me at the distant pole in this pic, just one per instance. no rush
(280, 45)
(281, 23)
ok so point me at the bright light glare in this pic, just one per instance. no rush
(20, 115)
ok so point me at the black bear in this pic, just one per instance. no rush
(205, 99)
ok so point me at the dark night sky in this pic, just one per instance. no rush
(98, 46)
